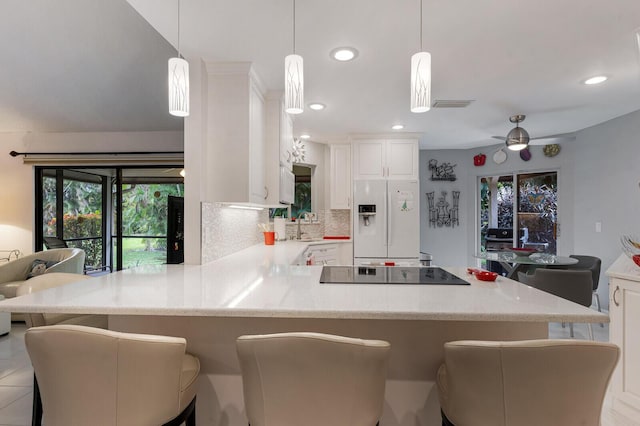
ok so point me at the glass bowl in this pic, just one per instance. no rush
(631, 247)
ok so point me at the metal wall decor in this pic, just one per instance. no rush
(298, 151)
(443, 171)
(440, 214)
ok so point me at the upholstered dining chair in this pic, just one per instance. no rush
(51, 280)
(88, 376)
(573, 285)
(524, 383)
(312, 379)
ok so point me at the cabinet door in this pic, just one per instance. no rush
(340, 175)
(369, 159)
(286, 139)
(625, 312)
(402, 159)
(257, 189)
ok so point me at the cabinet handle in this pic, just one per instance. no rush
(614, 296)
(266, 192)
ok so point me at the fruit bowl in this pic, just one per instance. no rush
(631, 248)
(522, 251)
(485, 275)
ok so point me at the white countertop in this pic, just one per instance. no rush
(261, 282)
(624, 268)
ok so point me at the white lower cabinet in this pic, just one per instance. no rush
(624, 310)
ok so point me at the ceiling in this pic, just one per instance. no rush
(81, 65)
(98, 65)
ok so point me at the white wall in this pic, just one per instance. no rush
(598, 178)
(17, 196)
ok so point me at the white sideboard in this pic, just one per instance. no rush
(624, 310)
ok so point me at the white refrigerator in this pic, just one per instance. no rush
(386, 222)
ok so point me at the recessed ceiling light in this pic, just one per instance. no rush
(397, 127)
(344, 54)
(317, 106)
(305, 136)
(596, 80)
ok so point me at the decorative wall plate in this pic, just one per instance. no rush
(525, 154)
(499, 156)
(551, 150)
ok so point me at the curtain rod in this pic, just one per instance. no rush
(15, 154)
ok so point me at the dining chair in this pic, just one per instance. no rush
(312, 379)
(573, 285)
(593, 264)
(524, 383)
(52, 280)
(88, 376)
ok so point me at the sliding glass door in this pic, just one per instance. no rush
(79, 207)
(526, 203)
(72, 212)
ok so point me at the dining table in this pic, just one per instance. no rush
(514, 263)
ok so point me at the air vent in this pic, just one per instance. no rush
(451, 104)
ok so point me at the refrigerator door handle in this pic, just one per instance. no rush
(387, 226)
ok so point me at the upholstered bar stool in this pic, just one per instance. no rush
(88, 376)
(312, 379)
(525, 383)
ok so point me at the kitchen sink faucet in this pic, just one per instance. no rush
(299, 233)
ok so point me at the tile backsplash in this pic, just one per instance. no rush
(226, 231)
(337, 222)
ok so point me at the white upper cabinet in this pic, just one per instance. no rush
(257, 178)
(340, 176)
(286, 138)
(386, 159)
(236, 154)
(279, 140)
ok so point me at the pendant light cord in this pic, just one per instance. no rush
(294, 27)
(178, 28)
(420, 25)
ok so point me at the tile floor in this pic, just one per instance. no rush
(16, 375)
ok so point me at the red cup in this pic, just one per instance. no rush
(269, 238)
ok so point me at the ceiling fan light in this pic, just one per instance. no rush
(421, 82)
(293, 84)
(517, 139)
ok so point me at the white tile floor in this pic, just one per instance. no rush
(16, 375)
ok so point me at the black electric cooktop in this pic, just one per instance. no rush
(388, 275)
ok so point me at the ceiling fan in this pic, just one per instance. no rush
(518, 138)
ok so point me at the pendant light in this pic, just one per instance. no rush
(178, 82)
(421, 77)
(293, 77)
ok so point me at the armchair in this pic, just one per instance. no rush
(14, 273)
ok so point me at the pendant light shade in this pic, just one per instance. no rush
(178, 87)
(421, 82)
(178, 82)
(517, 139)
(294, 84)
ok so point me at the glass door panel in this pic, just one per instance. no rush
(144, 221)
(49, 202)
(538, 210)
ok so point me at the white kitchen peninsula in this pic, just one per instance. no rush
(257, 290)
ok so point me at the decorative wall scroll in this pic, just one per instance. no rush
(440, 214)
(442, 172)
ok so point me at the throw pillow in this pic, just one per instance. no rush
(39, 266)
